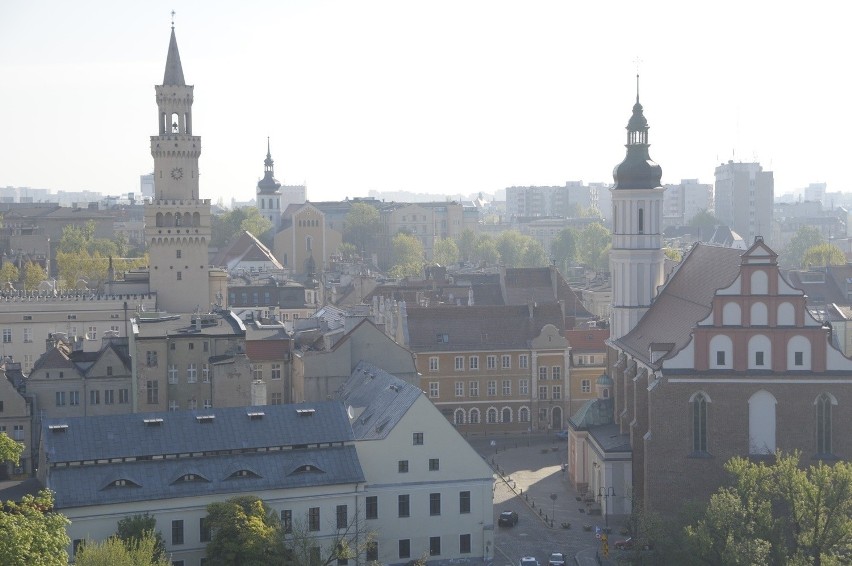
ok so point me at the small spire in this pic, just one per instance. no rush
(637, 88)
(268, 151)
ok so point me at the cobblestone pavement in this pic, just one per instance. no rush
(528, 474)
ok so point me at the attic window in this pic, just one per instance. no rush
(305, 412)
(123, 483)
(443, 338)
(188, 478)
(307, 469)
(153, 422)
(58, 427)
(256, 415)
(243, 474)
(205, 418)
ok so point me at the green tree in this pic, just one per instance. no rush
(9, 273)
(10, 450)
(673, 254)
(246, 532)
(466, 243)
(31, 533)
(408, 256)
(511, 245)
(116, 552)
(256, 224)
(349, 541)
(485, 250)
(564, 248)
(139, 527)
(778, 513)
(225, 227)
(534, 254)
(33, 275)
(805, 238)
(704, 221)
(361, 226)
(592, 241)
(823, 255)
(347, 251)
(446, 252)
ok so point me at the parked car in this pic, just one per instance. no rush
(630, 543)
(556, 559)
(508, 519)
(529, 561)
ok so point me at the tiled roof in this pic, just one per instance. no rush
(123, 436)
(161, 479)
(589, 340)
(685, 300)
(479, 327)
(383, 397)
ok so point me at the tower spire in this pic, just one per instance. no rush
(174, 70)
(637, 88)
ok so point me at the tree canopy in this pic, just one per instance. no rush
(823, 255)
(778, 513)
(485, 250)
(31, 533)
(361, 226)
(245, 532)
(116, 552)
(408, 256)
(9, 273)
(592, 244)
(564, 247)
(226, 227)
(805, 238)
(10, 450)
(446, 252)
(466, 242)
(139, 527)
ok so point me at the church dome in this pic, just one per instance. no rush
(637, 171)
(605, 381)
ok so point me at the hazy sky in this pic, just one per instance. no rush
(436, 96)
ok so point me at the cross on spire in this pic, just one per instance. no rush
(173, 19)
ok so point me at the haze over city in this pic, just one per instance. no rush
(439, 97)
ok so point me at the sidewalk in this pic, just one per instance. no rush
(533, 471)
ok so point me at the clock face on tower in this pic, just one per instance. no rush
(177, 173)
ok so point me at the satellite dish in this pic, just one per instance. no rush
(350, 412)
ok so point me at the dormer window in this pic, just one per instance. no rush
(243, 474)
(191, 478)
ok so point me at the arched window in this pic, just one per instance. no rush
(507, 415)
(721, 352)
(699, 421)
(524, 415)
(759, 283)
(759, 315)
(641, 221)
(786, 315)
(474, 416)
(823, 422)
(798, 353)
(492, 415)
(458, 416)
(732, 314)
(761, 423)
(759, 352)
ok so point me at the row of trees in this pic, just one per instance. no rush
(777, 513)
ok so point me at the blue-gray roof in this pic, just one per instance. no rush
(180, 432)
(384, 398)
(145, 480)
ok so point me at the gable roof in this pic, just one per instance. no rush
(685, 300)
(382, 399)
(588, 340)
(246, 247)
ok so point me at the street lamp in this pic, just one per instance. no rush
(604, 493)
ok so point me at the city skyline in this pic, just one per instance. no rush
(422, 97)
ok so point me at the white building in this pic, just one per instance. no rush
(381, 456)
(744, 199)
(684, 200)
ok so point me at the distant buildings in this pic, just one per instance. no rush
(682, 201)
(744, 199)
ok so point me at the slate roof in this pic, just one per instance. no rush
(384, 398)
(125, 436)
(174, 71)
(246, 247)
(161, 479)
(684, 300)
(479, 327)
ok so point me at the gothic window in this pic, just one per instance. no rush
(761, 423)
(699, 422)
(823, 422)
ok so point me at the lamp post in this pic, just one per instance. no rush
(604, 493)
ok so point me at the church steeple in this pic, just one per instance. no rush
(637, 171)
(268, 184)
(636, 257)
(174, 71)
